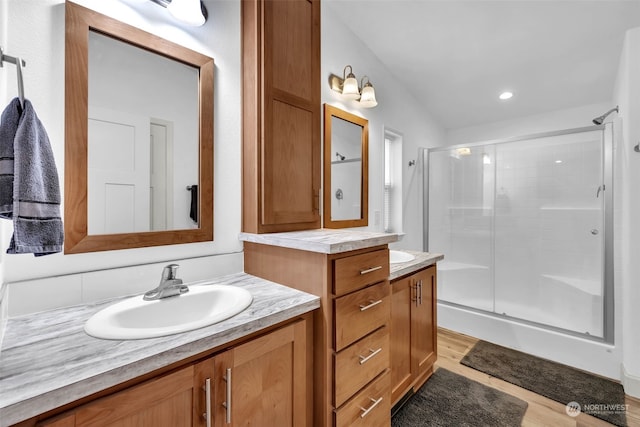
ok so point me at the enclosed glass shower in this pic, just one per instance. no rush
(525, 228)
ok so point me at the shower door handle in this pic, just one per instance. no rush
(600, 188)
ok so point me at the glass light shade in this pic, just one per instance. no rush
(368, 98)
(350, 88)
(187, 11)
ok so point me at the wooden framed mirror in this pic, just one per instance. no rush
(346, 170)
(138, 147)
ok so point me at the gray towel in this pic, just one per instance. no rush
(8, 127)
(37, 225)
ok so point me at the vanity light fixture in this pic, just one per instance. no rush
(190, 12)
(349, 88)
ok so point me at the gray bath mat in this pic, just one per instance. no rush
(596, 396)
(449, 399)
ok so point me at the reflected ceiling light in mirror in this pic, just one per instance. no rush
(190, 12)
(348, 87)
(463, 151)
(506, 95)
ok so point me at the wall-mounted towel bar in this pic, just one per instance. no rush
(19, 64)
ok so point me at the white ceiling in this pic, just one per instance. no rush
(457, 56)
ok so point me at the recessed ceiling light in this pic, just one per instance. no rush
(505, 95)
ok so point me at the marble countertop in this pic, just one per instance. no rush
(326, 241)
(47, 360)
(422, 260)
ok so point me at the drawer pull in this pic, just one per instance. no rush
(371, 304)
(207, 394)
(365, 412)
(365, 359)
(227, 403)
(370, 270)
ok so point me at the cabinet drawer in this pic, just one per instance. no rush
(361, 312)
(371, 407)
(358, 364)
(355, 272)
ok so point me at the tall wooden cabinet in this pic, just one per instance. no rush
(413, 331)
(264, 381)
(351, 329)
(281, 115)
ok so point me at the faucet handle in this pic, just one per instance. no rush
(169, 272)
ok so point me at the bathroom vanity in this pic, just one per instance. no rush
(413, 323)
(53, 374)
(353, 330)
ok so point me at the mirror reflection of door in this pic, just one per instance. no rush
(161, 175)
(346, 170)
(143, 139)
(118, 172)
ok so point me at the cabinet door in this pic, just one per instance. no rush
(423, 319)
(165, 401)
(402, 294)
(264, 382)
(281, 115)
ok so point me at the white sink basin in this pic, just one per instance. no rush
(135, 318)
(396, 257)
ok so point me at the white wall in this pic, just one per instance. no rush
(627, 96)
(34, 30)
(397, 109)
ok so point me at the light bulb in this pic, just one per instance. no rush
(368, 98)
(187, 11)
(350, 88)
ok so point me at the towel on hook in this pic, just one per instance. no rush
(193, 206)
(37, 224)
(8, 127)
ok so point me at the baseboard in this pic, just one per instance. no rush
(631, 383)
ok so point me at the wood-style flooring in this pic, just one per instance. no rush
(452, 347)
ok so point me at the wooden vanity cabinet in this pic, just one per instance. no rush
(413, 331)
(265, 381)
(351, 328)
(280, 115)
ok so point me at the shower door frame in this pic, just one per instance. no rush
(607, 223)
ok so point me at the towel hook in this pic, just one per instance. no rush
(19, 64)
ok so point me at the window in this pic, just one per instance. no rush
(392, 216)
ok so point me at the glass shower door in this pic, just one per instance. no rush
(549, 231)
(461, 197)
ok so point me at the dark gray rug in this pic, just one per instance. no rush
(449, 399)
(596, 396)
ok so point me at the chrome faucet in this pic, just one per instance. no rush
(169, 285)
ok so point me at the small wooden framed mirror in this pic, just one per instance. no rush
(138, 137)
(346, 170)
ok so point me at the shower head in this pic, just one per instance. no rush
(600, 119)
